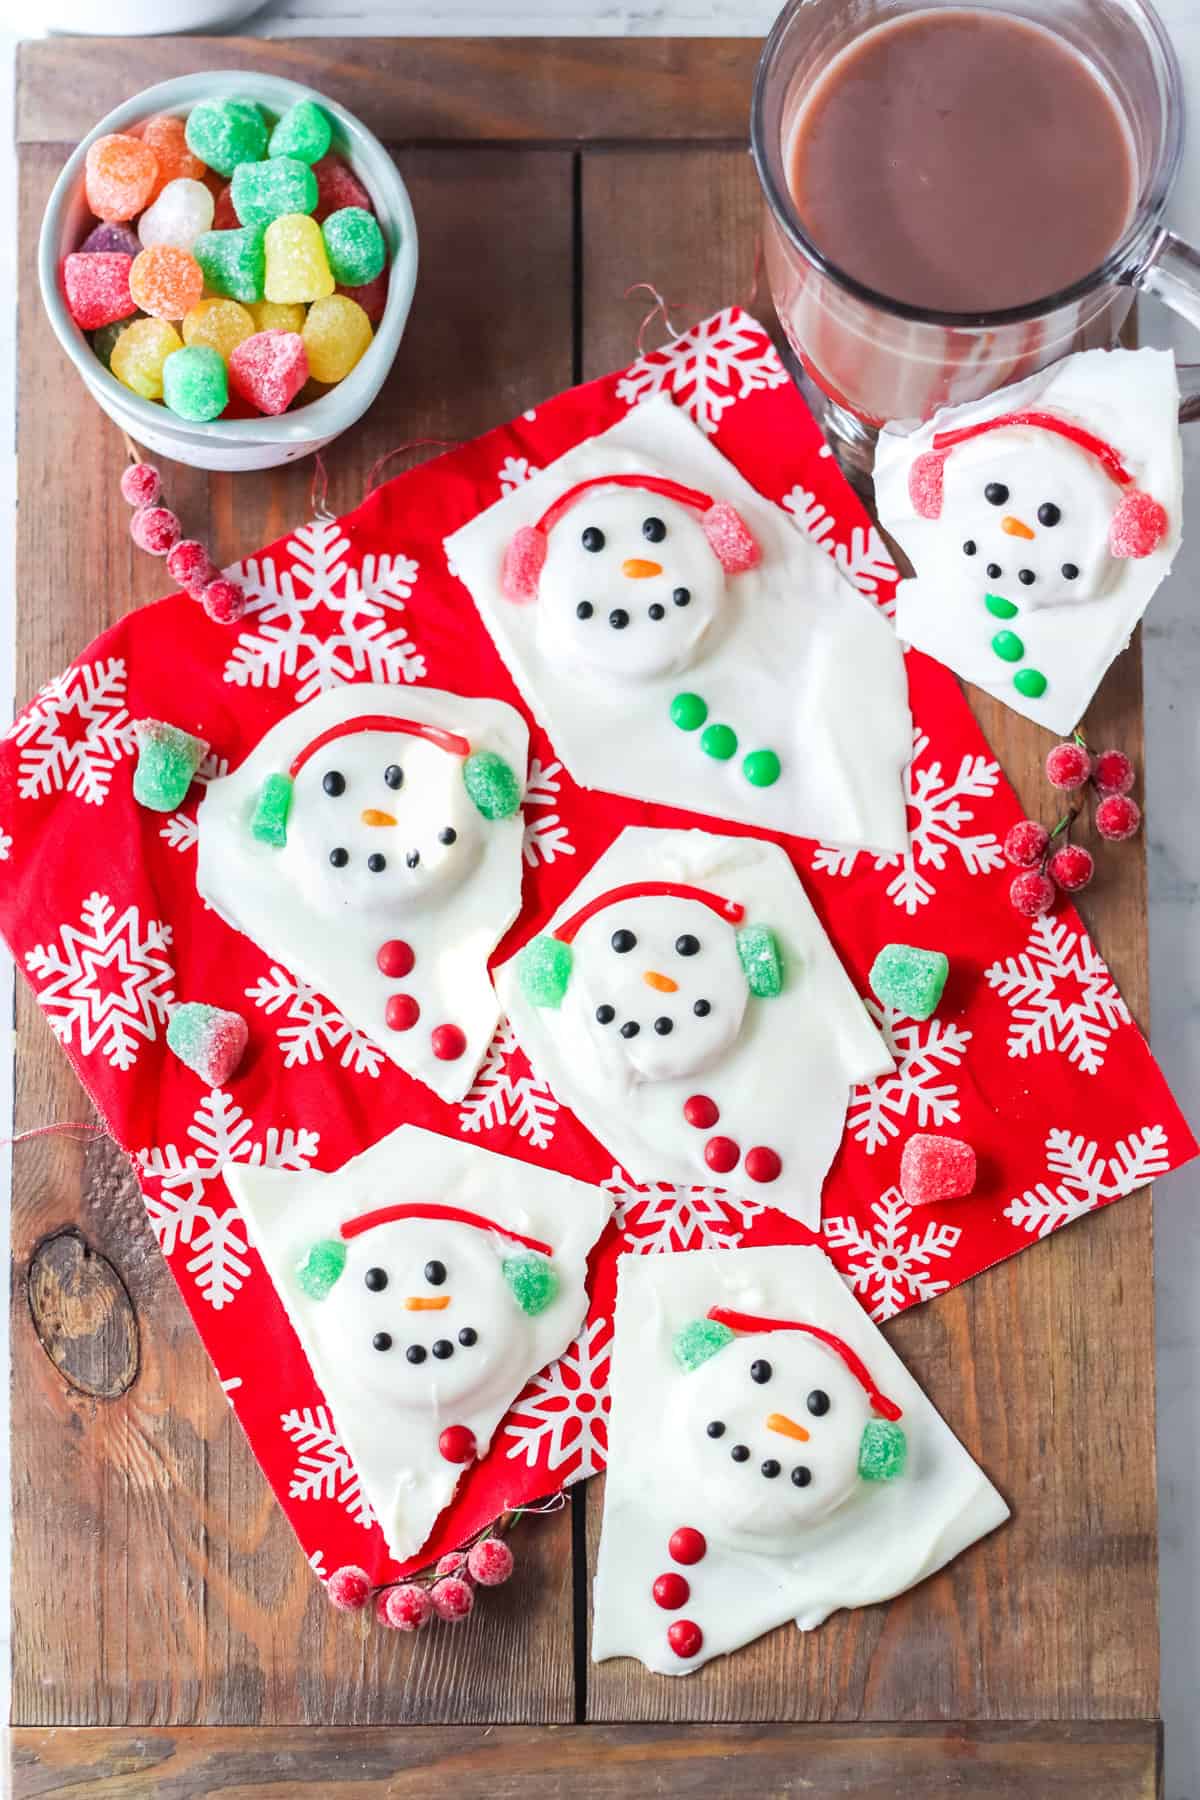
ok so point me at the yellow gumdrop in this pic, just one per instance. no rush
(276, 315)
(139, 354)
(297, 267)
(220, 325)
(336, 333)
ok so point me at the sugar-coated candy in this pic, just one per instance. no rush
(268, 823)
(224, 600)
(297, 267)
(220, 324)
(269, 369)
(348, 1588)
(694, 1343)
(96, 288)
(407, 1607)
(154, 529)
(337, 333)
(224, 217)
(322, 1268)
(165, 282)
(195, 385)
(532, 1280)
(277, 315)
(226, 133)
(490, 1561)
(544, 969)
(233, 262)
(167, 137)
(354, 245)
(491, 783)
(141, 484)
(337, 186)
(882, 1451)
(167, 761)
(139, 354)
(108, 237)
(182, 212)
(189, 564)
(210, 1040)
(302, 131)
(758, 952)
(909, 980)
(936, 1168)
(263, 191)
(104, 341)
(119, 175)
(371, 296)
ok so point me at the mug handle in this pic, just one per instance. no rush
(1171, 272)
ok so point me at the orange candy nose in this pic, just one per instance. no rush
(662, 984)
(426, 1303)
(786, 1427)
(371, 816)
(1015, 527)
(638, 569)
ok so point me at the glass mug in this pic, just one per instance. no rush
(877, 359)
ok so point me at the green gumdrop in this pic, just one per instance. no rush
(761, 768)
(263, 191)
(543, 970)
(354, 246)
(533, 1280)
(321, 1268)
(195, 384)
(492, 785)
(1030, 682)
(234, 263)
(909, 980)
(303, 131)
(719, 741)
(167, 760)
(883, 1451)
(225, 133)
(758, 949)
(688, 711)
(697, 1341)
(269, 822)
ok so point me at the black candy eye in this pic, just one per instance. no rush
(682, 596)
(382, 1340)
(654, 530)
(1049, 514)
(687, 945)
(376, 1280)
(468, 1336)
(377, 863)
(702, 1008)
(618, 618)
(605, 1015)
(339, 857)
(740, 1453)
(1026, 577)
(630, 1028)
(801, 1476)
(584, 610)
(770, 1468)
(969, 547)
(995, 493)
(622, 942)
(716, 1429)
(412, 859)
(994, 571)
(394, 775)
(435, 1273)
(657, 612)
(664, 1027)
(415, 1353)
(447, 835)
(1070, 571)
(334, 783)
(592, 539)
(760, 1371)
(818, 1403)
(443, 1348)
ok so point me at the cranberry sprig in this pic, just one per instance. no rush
(1048, 866)
(444, 1592)
(156, 529)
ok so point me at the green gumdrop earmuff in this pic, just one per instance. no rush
(532, 1280)
(321, 1268)
(544, 969)
(882, 1451)
(761, 960)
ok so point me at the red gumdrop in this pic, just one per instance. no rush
(1138, 526)
(1071, 868)
(224, 217)
(523, 560)
(189, 564)
(1026, 843)
(671, 1591)
(349, 1588)
(222, 1048)
(701, 1112)
(1032, 893)
(141, 484)
(1117, 818)
(735, 545)
(457, 1444)
(925, 484)
(407, 1607)
(1113, 772)
(936, 1168)
(721, 1154)
(687, 1545)
(337, 186)
(685, 1637)
(1068, 766)
(763, 1163)
(224, 600)
(371, 296)
(452, 1598)
(402, 1012)
(269, 369)
(448, 1042)
(96, 288)
(490, 1561)
(395, 959)
(154, 528)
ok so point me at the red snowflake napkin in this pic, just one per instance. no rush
(1032, 1055)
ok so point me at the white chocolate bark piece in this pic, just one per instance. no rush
(643, 614)
(770, 1474)
(658, 1023)
(1039, 522)
(392, 886)
(427, 1281)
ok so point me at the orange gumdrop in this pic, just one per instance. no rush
(119, 176)
(165, 282)
(166, 136)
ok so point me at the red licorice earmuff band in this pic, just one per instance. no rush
(433, 734)
(1104, 453)
(751, 1323)
(453, 1215)
(731, 910)
(652, 484)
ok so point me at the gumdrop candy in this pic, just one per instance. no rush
(107, 237)
(141, 484)
(696, 1341)
(543, 970)
(96, 289)
(523, 562)
(264, 191)
(104, 341)
(354, 245)
(337, 186)
(165, 282)
(337, 333)
(277, 315)
(731, 538)
(167, 137)
(532, 1281)
(302, 131)
(882, 1451)
(224, 217)
(226, 133)
(322, 1268)
(233, 262)
(269, 369)
(936, 1168)
(166, 764)
(139, 354)
(155, 529)
(297, 267)
(910, 980)
(220, 324)
(119, 176)
(492, 785)
(268, 824)
(758, 952)
(208, 1039)
(371, 296)
(189, 563)
(181, 214)
(195, 385)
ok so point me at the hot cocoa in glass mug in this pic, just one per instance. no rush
(877, 359)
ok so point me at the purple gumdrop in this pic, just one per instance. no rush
(106, 237)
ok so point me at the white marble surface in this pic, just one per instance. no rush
(1172, 672)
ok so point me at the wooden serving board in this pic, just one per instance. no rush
(159, 1597)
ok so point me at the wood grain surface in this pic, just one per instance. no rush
(156, 1585)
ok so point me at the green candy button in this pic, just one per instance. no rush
(719, 741)
(688, 711)
(761, 768)
(999, 607)
(1008, 645)
(1030, 682)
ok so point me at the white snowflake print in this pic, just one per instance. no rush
(515, 470)
(1061, 996)
(666, 1215)
(563, 1414)
(936, 834)
(508, 1091)
(326, 620)
(323, 1469)
(1085, 1178)
(107, 984)
(316, 1563)
(923, 1053)
(312, 1025)
(5, 845)
(864, 560)
(719, 361)
(890, 1262)
(546, 837)
(179, 828)
(176, 1187)
(75, 733)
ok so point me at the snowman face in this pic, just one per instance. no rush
(629, 587)
(661, 986)
(1026, 516)
(771, 1431)
(378, 821)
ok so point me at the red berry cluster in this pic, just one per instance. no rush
(449, 1593)
(1030, 847)
(156, 529)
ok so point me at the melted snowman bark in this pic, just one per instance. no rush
(699, 652)
(777, 1468)
(707, 1035)
(427, 1281)
(1039, 522)
(391, 887)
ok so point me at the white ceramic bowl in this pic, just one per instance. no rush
(259, 443)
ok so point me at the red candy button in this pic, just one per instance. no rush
(685, 1637)
(763, 1164)
(687, 1545)
(402, 1012)
(721, 1154)
(395, 958)
(671, 1592)
(457, 1444)
(448, 1041)
(701, 1112)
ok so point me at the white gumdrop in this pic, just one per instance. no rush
(181, 214)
